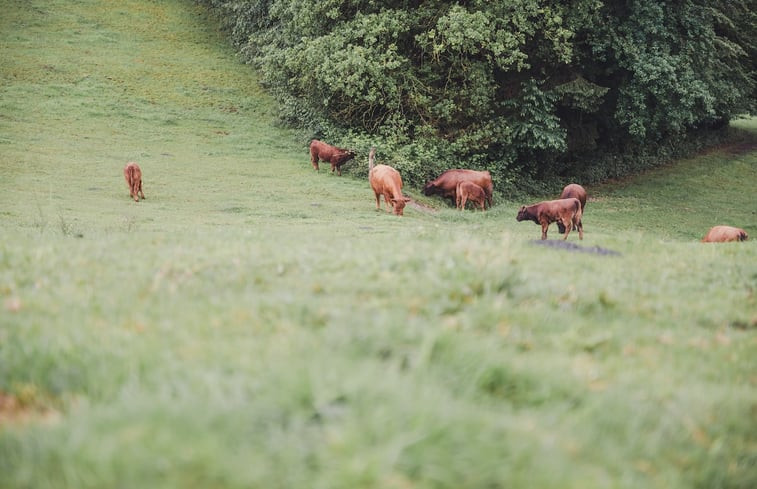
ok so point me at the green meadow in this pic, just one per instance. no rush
(255, 324)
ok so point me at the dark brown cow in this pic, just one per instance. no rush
(336, 156)
(723, 234)
(133, 176)
(567, 211)
(386, 181)
(572, 190)
(446, 183)
(470, 191)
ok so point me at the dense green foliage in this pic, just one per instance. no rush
(544, 88)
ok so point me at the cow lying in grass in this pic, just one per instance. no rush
(133, 176)
(470, 191)
(445, 184)
(386, 181)
(572, 190)
(723, 234)
(567, 211)
(336, 156)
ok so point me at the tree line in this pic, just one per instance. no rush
(532, 90)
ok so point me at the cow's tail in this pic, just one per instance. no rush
(579, 210)
(371, 158)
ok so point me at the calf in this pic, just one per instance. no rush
(572, 190)
(567, 211)
(386, 181)
(446, 183)
(336, 156)
(470, 191)
(722, 234)
(133, 176)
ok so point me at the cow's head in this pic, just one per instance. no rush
(429, 188)
(522, 214)
(345, 155)
(399, 205)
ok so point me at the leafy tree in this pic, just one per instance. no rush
(525, 88)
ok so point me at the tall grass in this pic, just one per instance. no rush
(255, 324)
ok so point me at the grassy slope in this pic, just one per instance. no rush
(253, 324)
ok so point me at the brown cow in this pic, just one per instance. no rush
(572, 190)
(133, 176)
(386, 181)
(567, 211)
(722, 234)
(470, 191)
(446, 183)
(336, 156)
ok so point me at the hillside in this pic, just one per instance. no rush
(253, 323)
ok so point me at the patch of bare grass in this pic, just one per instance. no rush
(26, 406)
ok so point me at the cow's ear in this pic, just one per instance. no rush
(523, 208)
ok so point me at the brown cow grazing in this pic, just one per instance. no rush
(470, 191)
(722, 234)
(567, 211)
(572, 190)
(133, 176)
(446, 183)
(336, 156)
(386, 181)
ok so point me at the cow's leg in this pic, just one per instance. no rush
(378, 201)
(580, 226)
(568, 226)
(314, 161)
(141, 193)
(129, 181)
(389, 203)
(463, 201)
(544, 227)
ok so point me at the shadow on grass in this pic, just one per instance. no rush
(565, 245)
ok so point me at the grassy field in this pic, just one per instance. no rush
(253, 324)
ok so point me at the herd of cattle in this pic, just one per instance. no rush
(461, 186)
